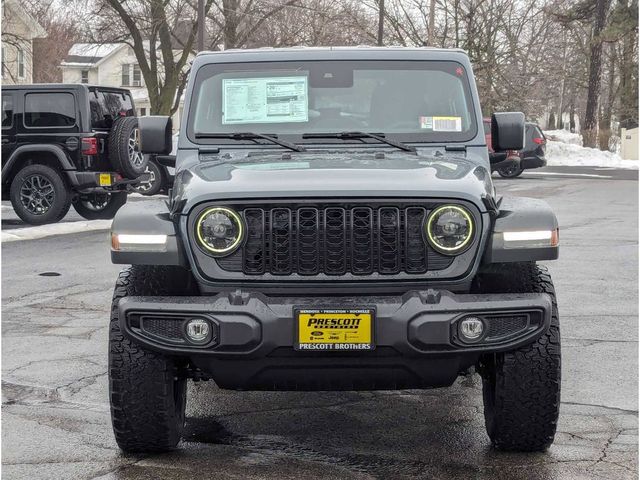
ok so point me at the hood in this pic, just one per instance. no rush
(330, 175)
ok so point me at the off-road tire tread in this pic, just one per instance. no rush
(141, 382)
(527, 400)
(62, 192)
(118, 144)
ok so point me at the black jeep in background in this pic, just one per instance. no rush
(66, 145)
(531, 156)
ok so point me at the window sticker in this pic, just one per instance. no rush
(441, 124)
(265, 100)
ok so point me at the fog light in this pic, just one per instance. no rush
(471, 329)
(198, 330)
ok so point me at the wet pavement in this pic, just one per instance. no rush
(55, 416)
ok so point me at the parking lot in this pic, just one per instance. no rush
(56, 293)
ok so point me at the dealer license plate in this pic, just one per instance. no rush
(105, 179)
(334, 329)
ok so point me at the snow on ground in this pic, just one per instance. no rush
(568, 154)
(564, 136)
(565, 149)
(42, 231)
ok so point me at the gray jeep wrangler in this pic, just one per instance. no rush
(333, 226)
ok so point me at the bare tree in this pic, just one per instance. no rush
(62, 32)
(150, 27)
(590, 129)
(240, 19)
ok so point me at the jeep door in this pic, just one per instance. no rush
(8, 124)
(52, 117)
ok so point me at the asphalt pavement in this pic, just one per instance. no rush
(56, 293)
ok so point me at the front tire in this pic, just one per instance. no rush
(521, 388)
(146, 390)
(99, 206)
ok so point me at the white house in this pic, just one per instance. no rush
(110, 65)
(18, 31)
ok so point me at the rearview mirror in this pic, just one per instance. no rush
(507, 131)
(155, 135)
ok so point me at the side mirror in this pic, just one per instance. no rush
(507, 131)
(155, 135)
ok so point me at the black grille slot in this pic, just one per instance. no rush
(416, 247)
(254, 247)
(362, 261)
(308, 241)
(335, 241)
(331, 240)
(281, 244)
(389, 240)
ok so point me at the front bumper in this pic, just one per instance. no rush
(416, 338)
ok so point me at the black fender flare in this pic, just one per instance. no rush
(521, 214)
(64, 161)
(152, 220)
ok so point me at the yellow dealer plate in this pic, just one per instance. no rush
(105, 179)
(334, 329)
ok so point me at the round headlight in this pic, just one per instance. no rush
(219, 230)
(450, 229)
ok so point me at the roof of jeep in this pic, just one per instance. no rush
(359, 48)
(60, 86)
(330, 53)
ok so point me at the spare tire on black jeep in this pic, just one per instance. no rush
(123, 148)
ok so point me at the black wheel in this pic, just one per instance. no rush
(521, 388)
(99, 206)
(146, 390)
(40, 195)
(512, 171)
(124, 141)
(156, 180)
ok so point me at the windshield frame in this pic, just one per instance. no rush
(208, 70)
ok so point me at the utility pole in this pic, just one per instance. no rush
(380, 21)
(432, 23)
(200, 25)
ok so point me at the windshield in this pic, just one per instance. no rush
(416, 101)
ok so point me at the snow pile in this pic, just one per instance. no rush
(564, 148)
(564, 136)
(42, 231)
(569, 154)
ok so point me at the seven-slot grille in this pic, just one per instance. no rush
(334, 240)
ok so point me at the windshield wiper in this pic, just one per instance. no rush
(360, 135)
(253, 136)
